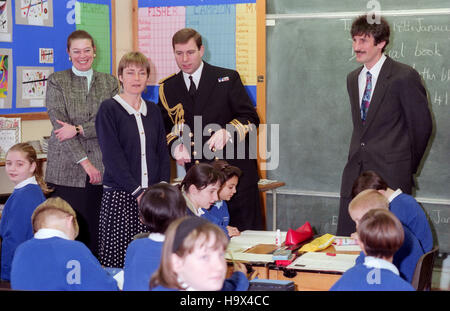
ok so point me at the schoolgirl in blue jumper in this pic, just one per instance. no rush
(380, 236)
(409, 253)
(403, 205)
(193, 258)
(52, 260)
(25, 172)
(160, 205)
(200, 187)
(218, 213)
(132, 139)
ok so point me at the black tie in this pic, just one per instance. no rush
(192, 87)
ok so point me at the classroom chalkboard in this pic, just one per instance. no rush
(308, 59)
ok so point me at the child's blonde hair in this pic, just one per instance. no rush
(31, 156)
(54, 207)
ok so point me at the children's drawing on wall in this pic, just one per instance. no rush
(34, 12)
(32, 86)
(5, 20)
(6, 78)
(3, 16)
(3, 76)
(34, 83)
(45, 56)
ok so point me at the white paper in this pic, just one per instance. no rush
(323, 262)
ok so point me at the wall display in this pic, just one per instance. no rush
(228, 30)
(6, 78)
(5, 21)
(38, 46)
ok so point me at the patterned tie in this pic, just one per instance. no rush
(192, 88)
(366, 97)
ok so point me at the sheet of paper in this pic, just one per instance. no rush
(347, 248)
(249, 238)
(323, 262)
(246, 42)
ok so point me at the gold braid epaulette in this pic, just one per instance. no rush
(176, 113)
(241, 128)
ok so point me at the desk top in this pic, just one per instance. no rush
(267, 184)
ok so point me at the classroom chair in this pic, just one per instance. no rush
(424, 271)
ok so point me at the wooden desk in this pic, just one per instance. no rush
(308, 280)
(266, 185)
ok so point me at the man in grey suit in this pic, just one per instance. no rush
(391, 119)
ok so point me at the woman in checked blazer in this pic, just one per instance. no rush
(74, 160)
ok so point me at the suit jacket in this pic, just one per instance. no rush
(397, 129)
(222, 102)
(68, 100)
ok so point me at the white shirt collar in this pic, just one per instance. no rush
(128, 108)
(394, 195)
(195, 76)
(46, 233)
(378, 263)
(375, 70)
(219, 204)
(80, 73)
(23, 183)
(157, 237)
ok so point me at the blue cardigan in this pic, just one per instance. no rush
(119, 141)
(57, 264)
(15, 224)
(358, 278)
(411, 214)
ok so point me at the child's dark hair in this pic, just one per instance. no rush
(201, 175)
(368, 180)
(160, 205)
(226, 169)
(31, 156)
(381, 233)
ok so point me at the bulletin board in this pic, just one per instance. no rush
(229, 30)
(33, 44)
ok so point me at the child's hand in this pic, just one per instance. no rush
(354, 236)
(239, 266)
(233, 231)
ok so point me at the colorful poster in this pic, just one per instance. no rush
(156, 28)
(3, 76)
(34, 83)
(32, 86)
(34, 12)
(45, 56)
(5, 21)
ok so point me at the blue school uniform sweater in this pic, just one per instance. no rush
(15, 224)
(411, 214)
(364, 278)
(58, 264)
(406, 258)
(219, 215)
(141, 261)
(237, 282)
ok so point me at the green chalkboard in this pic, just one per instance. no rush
(308, 60)
(307, 6)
